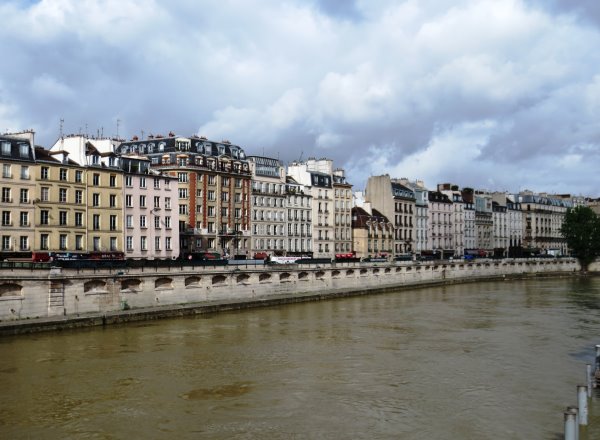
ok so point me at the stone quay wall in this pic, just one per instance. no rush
(61, 298)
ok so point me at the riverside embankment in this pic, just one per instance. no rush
(34, 300)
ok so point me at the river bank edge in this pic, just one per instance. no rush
(134, 315)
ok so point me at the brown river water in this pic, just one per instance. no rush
(497, 360)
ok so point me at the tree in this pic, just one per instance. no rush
(581, 230)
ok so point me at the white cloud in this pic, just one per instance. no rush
(440, 89)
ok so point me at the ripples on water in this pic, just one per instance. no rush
(485, 361)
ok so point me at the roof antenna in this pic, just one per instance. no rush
(62, 121)
(301, 154)
(118, 123)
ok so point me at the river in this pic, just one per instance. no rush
(497, 360)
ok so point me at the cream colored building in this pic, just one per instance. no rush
(61, 204)
(17, 186)
(342, 212)
(397, 203)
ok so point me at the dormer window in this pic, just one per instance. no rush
(95, 159)
(161, 146)
(24, 150)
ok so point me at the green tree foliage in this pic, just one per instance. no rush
(581, 230)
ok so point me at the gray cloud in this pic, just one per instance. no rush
(502, 95)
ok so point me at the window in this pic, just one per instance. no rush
(157, 243)
(96, 222)
(6, 243)
(142, 182)
(211, 211)
(157, 222)
(78, 219)
(129, 201)
(143, 244)
(211, 195)
(62, 218)
(24, 150)
(142, 201)
(168, 222)
(24, 219)
(78, 242)
(156, 202)
(183, 193)
(113, 222)
(24, 172)
(44, 242)
(44, 215)
(112, 180)
(156, 183)
(44, 194)
(129, 243)
(63, 174)
(113, 200)
(183, 209)
(62, 195)
(6, 171)
(6, 148)
(167, 202)
(24, 243)
(211, 180)
(211, 227)
(96, 243)
(113, 243)
(78, 176)
(182, 177)
(142, 221)
(96, 179)
(224, 196)
(6, 198)
(129, 221)
(62, 240)
(6, 218)
(128, 181)
(168, 243)
(96, 199)
(44, 172)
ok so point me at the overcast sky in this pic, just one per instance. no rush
(498, 94)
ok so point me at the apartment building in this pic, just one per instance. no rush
(500, 235)
(515, 227)
(397, 203)
(214, 187)
(317, 178)
(299, 219)
(61, 203)
(268, 205)
(93, 164)
(151, 217)
(342, 211)
(421, 241)
(543, 216)
(484, 222)
(17, 185)
(441, 212)
(458, 216)
(372, 233)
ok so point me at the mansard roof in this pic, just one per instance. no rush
(158, 145)
(436, 196)
(399, 190)
(11, 149)
(361, 218)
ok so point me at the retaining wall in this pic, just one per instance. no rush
(71, 294)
